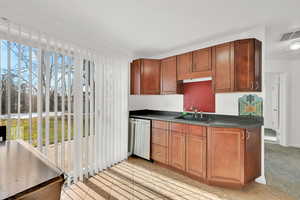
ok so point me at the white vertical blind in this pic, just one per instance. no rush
(68, 83)
(30, 94)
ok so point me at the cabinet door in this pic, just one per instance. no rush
(159, 153)
(223, 67)
(135, 75)
(226, 148)
(160, 137)
(202, 60)
(150, 81)
(244, 65)
(169, 84)
(196, 155)
(177, 150)
(184, 65)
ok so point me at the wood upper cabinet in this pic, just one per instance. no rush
(225, 155)
(258, 66)
(223, 67)
(177, 147)
(237, 66)
(194, 64)
(247, 65)
(150, 76)
(169, 83)
(135, 77)
(202, 60)
(145, 76)
(184, 65)
(196, 154)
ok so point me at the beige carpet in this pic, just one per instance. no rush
(139, 179)
(283, 168)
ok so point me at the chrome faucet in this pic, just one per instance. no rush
(195, 111)
(201, 114)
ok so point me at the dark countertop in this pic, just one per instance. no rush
(22, 168)
(214, 120)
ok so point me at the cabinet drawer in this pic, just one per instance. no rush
(160, 124)
(178, 127)
(197, 130)
(159, 153)
(160, 136)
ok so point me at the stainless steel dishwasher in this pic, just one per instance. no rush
(139, 138)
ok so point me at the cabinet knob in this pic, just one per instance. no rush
(252, 85)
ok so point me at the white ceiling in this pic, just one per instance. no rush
(152, 27)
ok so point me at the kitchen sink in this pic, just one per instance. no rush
(194, 117)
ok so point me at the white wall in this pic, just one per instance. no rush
(156, 102)
(228, 104)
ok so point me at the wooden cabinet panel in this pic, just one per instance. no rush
(135, 75)
(159, 153)
(253, 154)
(258, 65)
(184, 65)
(223, 67)
(150, 76)
(177, 150)
(169, 83)
(197, 130)
(244, 65)
(160, 136)
(247, 65)
(202, 60)
(225, 155)
(196, 156)
(178, 127)
(160, 124)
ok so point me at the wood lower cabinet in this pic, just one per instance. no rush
(196, 156)
(160, 153)
(229, 157)
(225, 155)
(160, 141)
(177, 150)
(233, 156)
(169, 83)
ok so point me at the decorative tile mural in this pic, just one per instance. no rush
(251, 105)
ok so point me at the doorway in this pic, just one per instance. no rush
(275, 116)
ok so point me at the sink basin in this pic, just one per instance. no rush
(194, 117)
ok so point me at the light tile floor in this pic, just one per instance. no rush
(139, 179)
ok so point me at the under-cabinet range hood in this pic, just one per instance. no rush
(197, 80)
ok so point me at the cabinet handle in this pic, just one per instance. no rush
(252, 85)
(257, 85)
(248, 135)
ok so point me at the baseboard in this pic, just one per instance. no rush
(261, 180)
